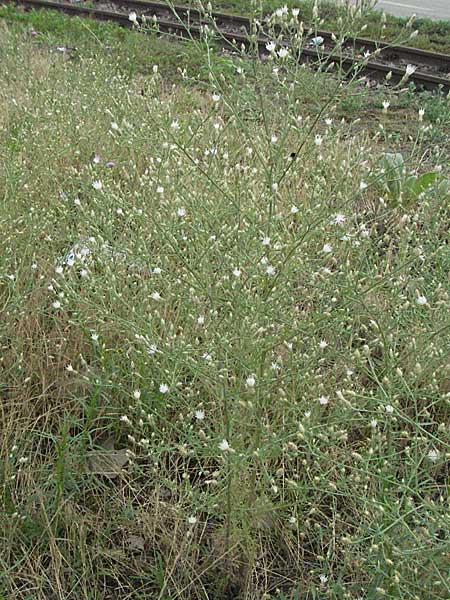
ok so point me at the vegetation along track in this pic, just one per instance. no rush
(432, 70)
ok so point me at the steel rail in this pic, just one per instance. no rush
(322, 58)
(386, 51)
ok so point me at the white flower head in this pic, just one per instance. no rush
(163, 388)
(270, 46)
(132, 17)
(386, 105)
(410, 69)
(199, 415)
(324, 400)
(250, 381)
(421, 300)
(318, 140)
(97, 185)
(265, 241)
(339, 219)
(283, 52)
(389, 409)
(174, 125)
(294, 210)
(181, 212)
(216, 97)
(327, 249)
(433, 455)
(192, 520)
(270, 270)
(136, 394)
(224, 446)
(237, 272)
(160, 189)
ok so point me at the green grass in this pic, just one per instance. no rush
(192, 285)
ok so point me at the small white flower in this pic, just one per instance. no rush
(270, 270)
(270, 46)
(163, 388)
(323, 578)
(362, 185)
(274, 139)
(77, 202)
(237, 272)
(327, 249)
(389, 409)
(224, 446)
(294, 210)
(181, 212)
(199, 415)
(433, 455)
(155, 296)
(421, 114)
(132, 17)
(160, 189)
(97, 185)
(201, 320)
(295, 12)
(265, 241)
(125, 419)
(410, 69)
(70, 368)
(283, 52)
(216, 97)
(114, 126)
(59, 269)
(155, 69)
(250, 381)
(421, 300)
(174, 125)
(56, 304)
(339, 219)
(318, 140)
(323, 400)
(157, 271)
(374, 423)
(192, 520)
(137, 394)
(386, 105)
(323, 344)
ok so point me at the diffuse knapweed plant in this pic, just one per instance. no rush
(223, 349)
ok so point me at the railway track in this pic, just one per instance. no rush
(431, 70)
